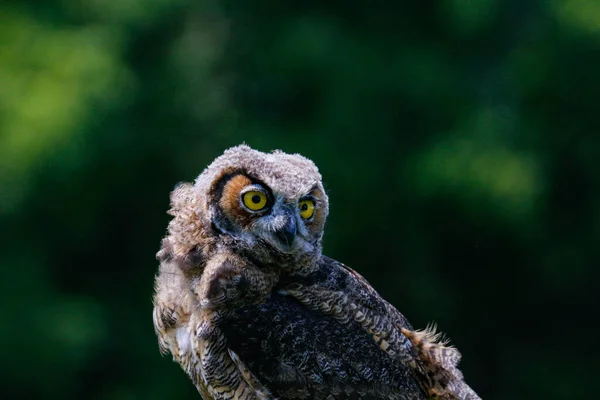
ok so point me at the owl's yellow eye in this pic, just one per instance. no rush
(255, 200)
(307, 208)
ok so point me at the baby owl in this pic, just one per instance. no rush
(250, 308)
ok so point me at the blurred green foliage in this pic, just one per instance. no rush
(459, 142)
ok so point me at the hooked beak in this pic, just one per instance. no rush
(287, 233)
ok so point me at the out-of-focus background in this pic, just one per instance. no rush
(459, 142)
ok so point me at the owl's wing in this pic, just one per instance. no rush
(222, 374)
(341, 292)
(301, 354)
(195, 341)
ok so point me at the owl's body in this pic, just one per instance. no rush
(251, 309)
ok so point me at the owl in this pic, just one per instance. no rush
(250, 308)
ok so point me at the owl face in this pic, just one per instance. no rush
(271, 205)
(257, 214)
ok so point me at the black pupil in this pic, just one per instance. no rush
(256, 199)
(304, 207)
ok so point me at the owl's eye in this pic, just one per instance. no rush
(255, 200)
(307, 208)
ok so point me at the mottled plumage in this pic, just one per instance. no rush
(250, 308)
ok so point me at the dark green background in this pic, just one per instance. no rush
(458, 140)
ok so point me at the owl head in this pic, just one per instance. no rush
(270, 207)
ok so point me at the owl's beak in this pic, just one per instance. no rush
(287, 233)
